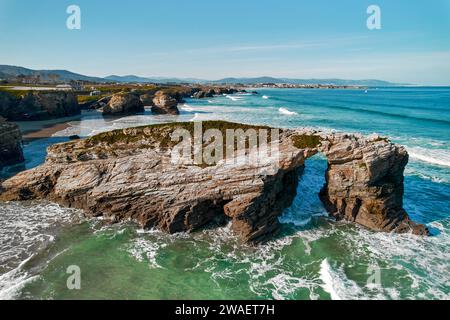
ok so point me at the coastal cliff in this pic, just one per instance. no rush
(10, 144)
(31, 106)
(130, 174)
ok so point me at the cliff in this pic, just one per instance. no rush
(38, 105)
(130, 174)
(10, 144)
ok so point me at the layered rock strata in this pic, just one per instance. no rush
(130, 174)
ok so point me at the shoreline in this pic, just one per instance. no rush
(44, 129)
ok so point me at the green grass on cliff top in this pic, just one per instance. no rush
(161, 132)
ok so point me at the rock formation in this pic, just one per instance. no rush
(38, 105)
(147, 99)
(210, 92)
(96, 104)
(10, 144)
(364, 182)
(129, 174)
(123, 103)
(164, 103)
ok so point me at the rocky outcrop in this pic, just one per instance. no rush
(123, 103)
(10, 144)
(38, 105)
(147, 99)
(164, 103)
(130, 174)
(98, 104)
(364, 183)
(211, 92)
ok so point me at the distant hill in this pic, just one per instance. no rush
(338, 82)
(8, 72)
(137, 79)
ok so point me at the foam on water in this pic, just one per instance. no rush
(287, 112)
(28, 227)
(25, 229)
(144, 249)
(12, 282)
(439, 157)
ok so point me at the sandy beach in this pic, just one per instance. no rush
(44, 129)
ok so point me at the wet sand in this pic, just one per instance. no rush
(44, 129)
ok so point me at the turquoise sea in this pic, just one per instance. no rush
(314, 257)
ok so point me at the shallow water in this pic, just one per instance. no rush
(313, 258)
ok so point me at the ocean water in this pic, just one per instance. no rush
(313, 258)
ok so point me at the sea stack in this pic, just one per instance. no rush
(164, 103)
(123, 103)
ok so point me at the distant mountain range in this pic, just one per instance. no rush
(11, 72)
(8, 72)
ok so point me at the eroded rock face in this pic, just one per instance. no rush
(147, 99)
(10, 144)
(128, 174)
(39, 106)
(163, 103)
(364, 183)
(123, 103)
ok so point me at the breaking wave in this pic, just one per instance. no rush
(434, 156)
(287, 112)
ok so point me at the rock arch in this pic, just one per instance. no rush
(127, 174)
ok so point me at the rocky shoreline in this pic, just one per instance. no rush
(19, 105)
(128, 174)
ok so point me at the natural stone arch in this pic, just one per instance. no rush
(128, 174)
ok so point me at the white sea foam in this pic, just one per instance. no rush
(27, 227)
(146, 250)
(265, 97)
(328, 280)
(408, 253)
(336, 283)
(287, 112)
(439, 157)
(425, 175)
(12, 282)
(187, 107)
(286, 285)
(235, 98)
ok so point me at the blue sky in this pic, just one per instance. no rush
(213, 39)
